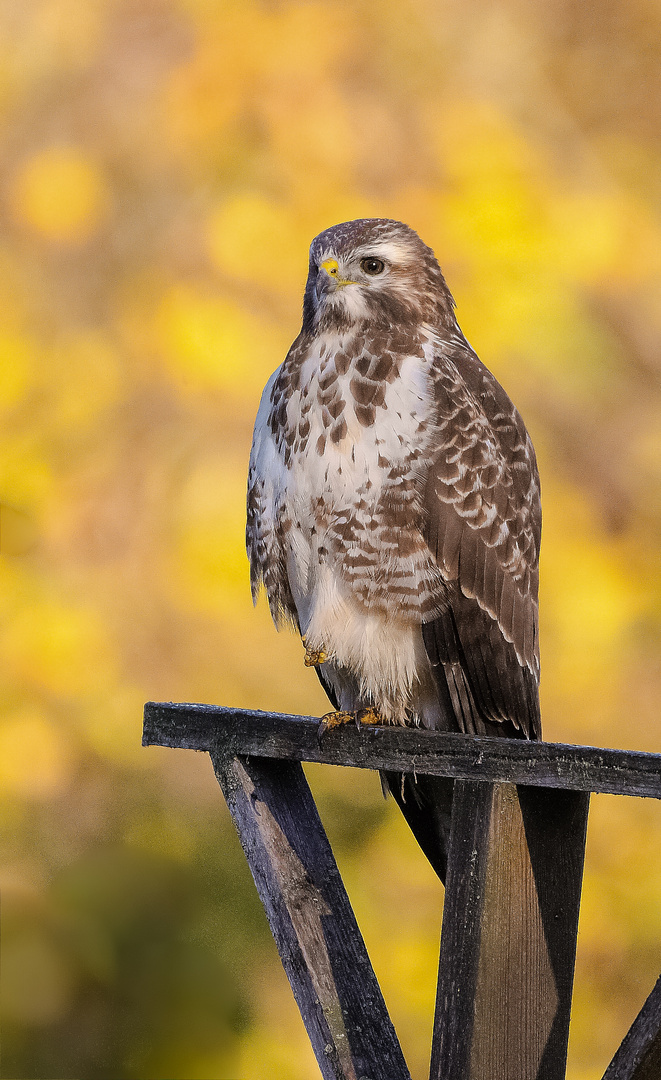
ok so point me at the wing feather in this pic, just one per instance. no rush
(449, 541)
(491, 588)
(483, 527)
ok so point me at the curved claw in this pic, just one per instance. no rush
(333, 719)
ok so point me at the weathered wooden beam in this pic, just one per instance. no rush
(464, 757)
(508, 942)
(311, 918)
(639, 1056)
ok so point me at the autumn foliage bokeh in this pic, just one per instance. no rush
(165, 165)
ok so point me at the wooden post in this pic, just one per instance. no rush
(639, 1056)
(314, 927)
(509, 933)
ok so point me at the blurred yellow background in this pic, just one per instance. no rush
(165, 165)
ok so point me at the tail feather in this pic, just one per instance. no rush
(426, 803)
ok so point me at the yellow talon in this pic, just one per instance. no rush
(369, 716)
(334, 719)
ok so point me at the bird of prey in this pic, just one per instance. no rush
(394, 509)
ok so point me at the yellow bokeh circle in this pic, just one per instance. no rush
(62, 194)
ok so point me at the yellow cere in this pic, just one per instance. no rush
(331, 267)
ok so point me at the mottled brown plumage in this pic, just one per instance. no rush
(393, 505)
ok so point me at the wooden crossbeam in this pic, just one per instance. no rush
(399, 749)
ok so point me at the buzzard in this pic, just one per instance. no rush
(394, 509)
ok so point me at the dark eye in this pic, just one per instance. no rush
(372, 266)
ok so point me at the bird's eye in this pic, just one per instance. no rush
(372, 266)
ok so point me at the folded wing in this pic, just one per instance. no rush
(482, 524)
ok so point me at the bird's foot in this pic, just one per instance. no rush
(314, 657)
(335, 719)
(368, 716)
(358, 716)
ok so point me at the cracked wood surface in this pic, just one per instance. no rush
(314, 927)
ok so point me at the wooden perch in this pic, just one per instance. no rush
(414, 750)
(510, 919)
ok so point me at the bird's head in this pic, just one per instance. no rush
(373, 270)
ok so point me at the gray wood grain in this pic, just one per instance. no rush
(399, 749)
(311, 918)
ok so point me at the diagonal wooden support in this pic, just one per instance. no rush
(314, 927)
(639, 1056)
(509, 933)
